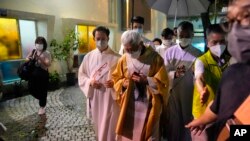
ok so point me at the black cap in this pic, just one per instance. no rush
(137, 19)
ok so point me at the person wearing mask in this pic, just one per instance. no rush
(234, 86)
(157, 42)
(39, 79)
(137, 24)
(208, 71)
(95, 81)
(141, 85)
(179, 61)
(167, 37)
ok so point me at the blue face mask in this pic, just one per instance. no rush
(139, 30)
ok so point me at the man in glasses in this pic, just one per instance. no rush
(235, 83)
(96, 83)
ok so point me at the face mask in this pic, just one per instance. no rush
(139, 30)
(39, 47)
(101, 44)
(184, 42)
(135, 54)
(167, 43)
(217, 50)
(239, 43)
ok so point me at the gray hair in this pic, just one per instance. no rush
(131, 37)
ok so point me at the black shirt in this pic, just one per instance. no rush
(234, 88)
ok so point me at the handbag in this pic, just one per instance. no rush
(240, 118)
(25, 70)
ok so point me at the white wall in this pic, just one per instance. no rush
(63, 14)
(93, 10)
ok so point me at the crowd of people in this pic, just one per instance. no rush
(166, 89)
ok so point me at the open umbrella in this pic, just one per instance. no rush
(180, 8)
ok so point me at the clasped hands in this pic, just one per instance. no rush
(180, 71)
(136, 77)
(97, 85)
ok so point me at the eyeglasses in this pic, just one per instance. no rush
(239, 15)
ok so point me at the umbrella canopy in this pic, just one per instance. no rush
(180, 8)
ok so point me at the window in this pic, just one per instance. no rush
(9, 39)
(16, 41)
(86, 38)
(28, 36)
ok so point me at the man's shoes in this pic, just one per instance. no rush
(41, 111)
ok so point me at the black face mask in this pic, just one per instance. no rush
(239, 42)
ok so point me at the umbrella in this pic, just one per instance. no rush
(180, 8)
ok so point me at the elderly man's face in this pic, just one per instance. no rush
(129, 48)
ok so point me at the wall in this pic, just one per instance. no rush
(92, 10)
(62, 14)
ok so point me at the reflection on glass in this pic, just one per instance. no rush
(91, 38)
(83, 34)
(9, 39)
(27, 38)
(86, 38)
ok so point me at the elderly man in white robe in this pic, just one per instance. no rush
(95, 82)
(179, 61)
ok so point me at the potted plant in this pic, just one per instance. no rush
(54, 80)
(64, 50)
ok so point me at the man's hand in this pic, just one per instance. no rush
(196, 126)
(180, 71)
(139, 78)
(125, 83)
(109, 84)
(204, 95)
(95, 84)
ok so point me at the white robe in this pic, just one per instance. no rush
(104, 109)
(180, 101)
(162, 49)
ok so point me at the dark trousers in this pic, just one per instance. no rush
(38, 85)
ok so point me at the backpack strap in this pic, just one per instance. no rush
(33, 53)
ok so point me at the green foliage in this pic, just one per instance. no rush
(61, 50)
(54, 77)
(64, 50)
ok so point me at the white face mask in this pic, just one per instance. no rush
(167, 43)
(217, 50)
(184, 41)
(102, 44)
(135, 54)
(39, 47)
(139, 30)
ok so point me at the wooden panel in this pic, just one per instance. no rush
(140, 9)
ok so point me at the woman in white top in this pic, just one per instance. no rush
(38, 82)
